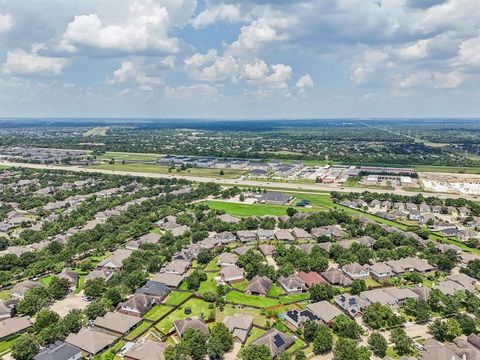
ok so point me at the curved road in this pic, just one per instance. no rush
(305, 188)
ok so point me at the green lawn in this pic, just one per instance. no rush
(198, 307)
(162, 169)
(119, 156)
(5, 294)
(240, 285)
(7, 344)
(371, 283)
(208, 285)
(242, 210)
(47, 280)
(275, 290)
(176, 297)
(114, 349)
(157, 313)
(139, 330)
(251, 300)
(212, 265)
(230, 310)
(294, 298)
(255, 334)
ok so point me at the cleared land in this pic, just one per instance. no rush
(237, 209)
(161, 169)
(120, 156)
(97, 131)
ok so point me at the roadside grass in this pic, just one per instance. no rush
(198, 308)
(139, 330)
(176, 297)
(157, 312)
(162, 169)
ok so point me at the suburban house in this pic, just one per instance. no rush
(356, 271)
(117, 322)
(91, 340)
(13, 326)
(178, 267)
(239, 325)
(115, 261)
(70, 276)
(351, 304)
(393, 297)
(226, 237)
(20, 289)
(336, 277)
(246, 236)
(137, 305)
(59, 351)
(241, 250)
(469, 283)
(173, 281)
(311, 278)
(449, 287)
(227, 259)
(155, 289)
(265, 235)
(324, 311)
(7, 308)
(267, 250)
(105, 274)
(146, 349)
(183, 325)
(232, 274)
(380, 271)
(292, 284)
(259, 285)
(276, 341)
(271, 197)
(301, 234)
(283, 235)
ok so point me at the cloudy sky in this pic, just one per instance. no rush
(240, 58)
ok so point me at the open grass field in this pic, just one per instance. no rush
(161, 169)
(251, 300)
(96, 131)
(120, 156)
(198, 307)
(176, 297)
(157, 312)
(230, 310)
(244, 210)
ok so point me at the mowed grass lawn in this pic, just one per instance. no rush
(176, 297)
(161, 169)
(230, 310)
(198, 307)
(208, 285)
(139, 330)
(251, 300)
(157, 313)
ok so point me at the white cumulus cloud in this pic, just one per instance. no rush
(6, 22)
(20, 62)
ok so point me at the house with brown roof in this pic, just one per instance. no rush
(227, 259)
(91, 340)
(117, 322)
(115, 261)
(173, 281)
(146, 349)
(283, 235)
(301, 234)
(178, 267)
(324, 311)
(71, 276)
(380, 271)
(239, 325)
(137, 305)
(232, 274)
(469, 283)
(336, 277)
(103, 273)
(276, 341)
(183, 325)
(265, 235)
(267, 250)
(246, 236)
(356, 271)
(13, 326)
(20, 289)
(226, 237)
(292, 284)
(311, 278)
(259, 285)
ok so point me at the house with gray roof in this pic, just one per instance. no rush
(301, 234)
(59, 351)
(226, 237)
(7, 308)
(154, 289)
(20, 289)
(178, 267)
(246, 236)
(276, 341)
(469, 283)
(227, 259)
(173, 281)
(102, 273)
(356, 271)
(115, 261)
(232, 274)
(272, 197)
(138, 305)
(13, 326)
(380, 271)
(265, 235)
(351, 304)
(324, 311)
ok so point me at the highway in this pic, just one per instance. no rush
(304, 188)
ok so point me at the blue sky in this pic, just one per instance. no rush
(239, 58)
